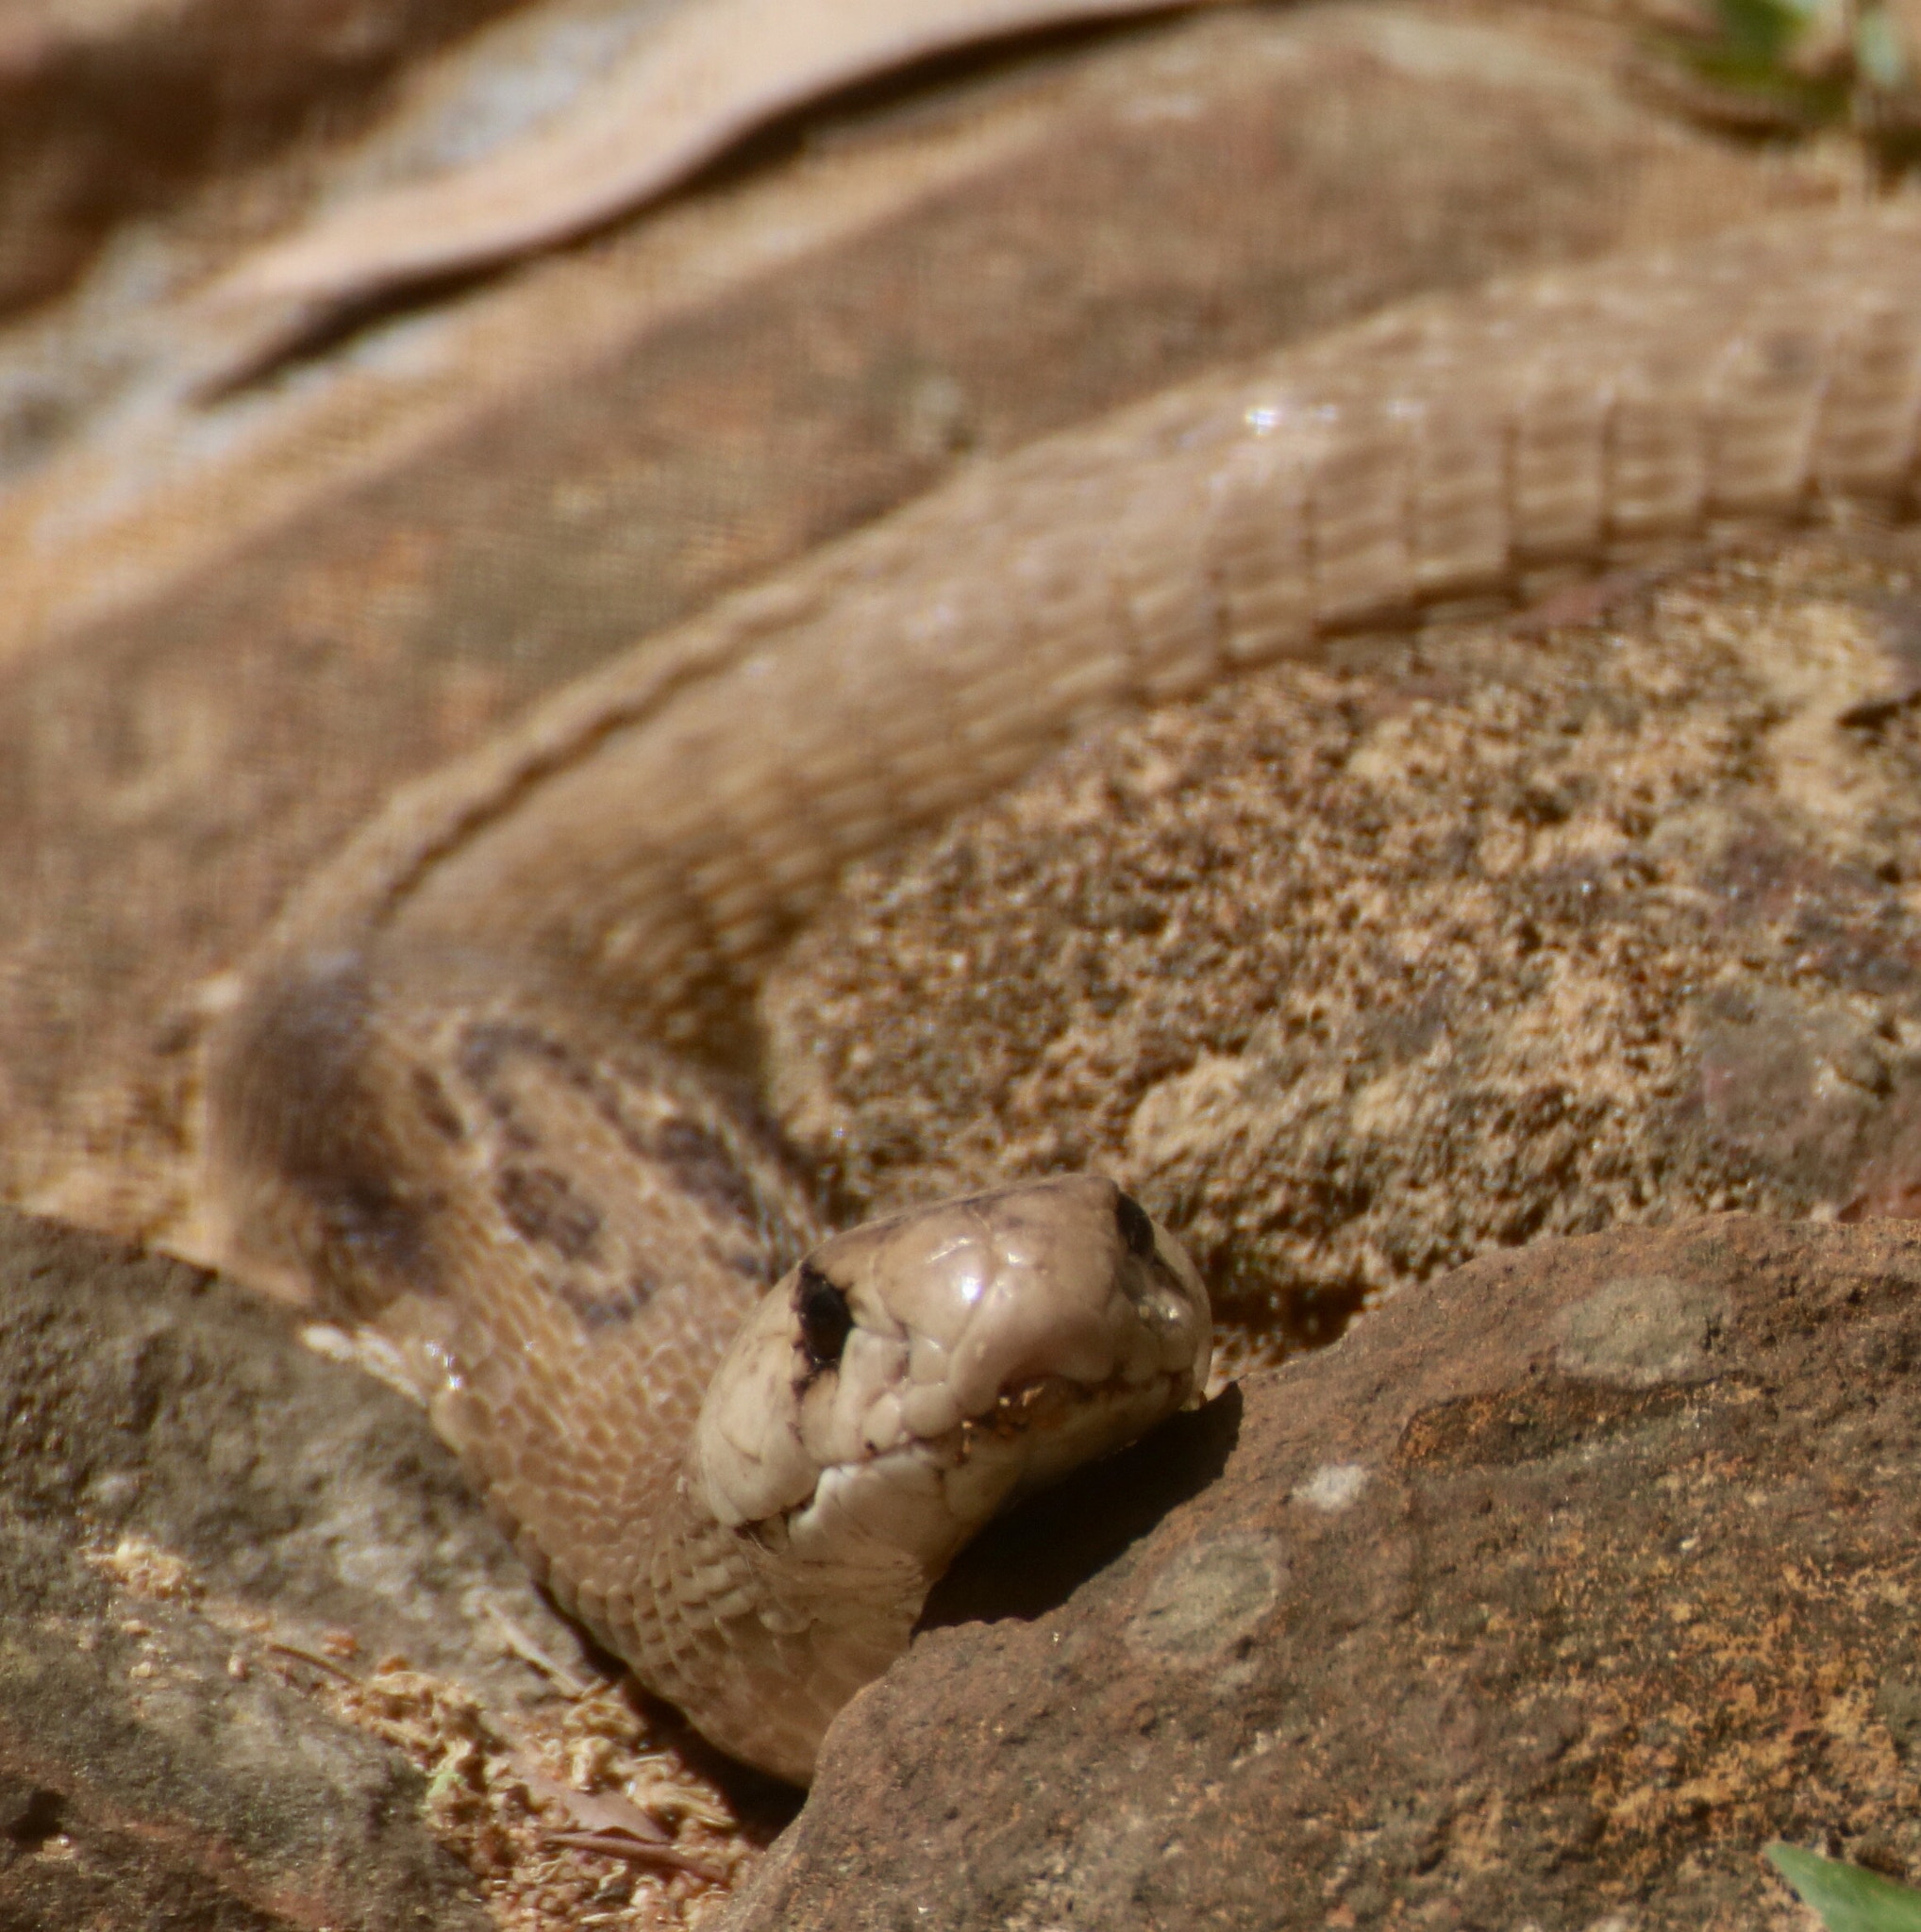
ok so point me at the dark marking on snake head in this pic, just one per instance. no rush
(826, 1320)
(610, 1310)
(541, 1206)
(487, 1049)
(1136, 1230)
(705, 1170)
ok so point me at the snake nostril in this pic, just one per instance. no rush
(1137, 1231)
(826, 1320)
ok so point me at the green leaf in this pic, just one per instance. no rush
(1762, 31)
(1879, 50)
(1847, 1898)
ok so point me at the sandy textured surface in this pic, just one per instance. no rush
(1356, 972)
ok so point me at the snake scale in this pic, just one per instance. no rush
(480, 1091)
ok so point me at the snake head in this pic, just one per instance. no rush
(913, 1375)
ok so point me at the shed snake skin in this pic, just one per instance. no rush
(457, 1096)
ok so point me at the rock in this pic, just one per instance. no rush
(234, 626)
(1542, 1599)
(263, 1660)
(1362, 968)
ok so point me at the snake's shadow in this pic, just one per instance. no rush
(1032, 1559)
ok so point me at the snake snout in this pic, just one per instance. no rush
(1066, 1278)
(1027, 1329)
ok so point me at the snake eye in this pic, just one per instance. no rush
(1137, 1231)
(826, 1320)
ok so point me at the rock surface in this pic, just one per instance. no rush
(1360, 969)
(263, 1660)
(1542, 1600)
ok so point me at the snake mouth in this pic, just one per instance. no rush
(1038, 1402)
(1041, 1406)
(924, 1496)
(1040, 1429)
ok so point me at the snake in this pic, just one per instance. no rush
(485, 1092)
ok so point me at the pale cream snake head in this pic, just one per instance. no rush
(913, 1376)
(895, 1390)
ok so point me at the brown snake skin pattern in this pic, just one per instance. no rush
(475, 971)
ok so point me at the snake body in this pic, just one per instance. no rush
(448, 1098)
(561, 1240)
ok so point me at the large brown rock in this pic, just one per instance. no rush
(1542, 1599)
(1360, 968)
